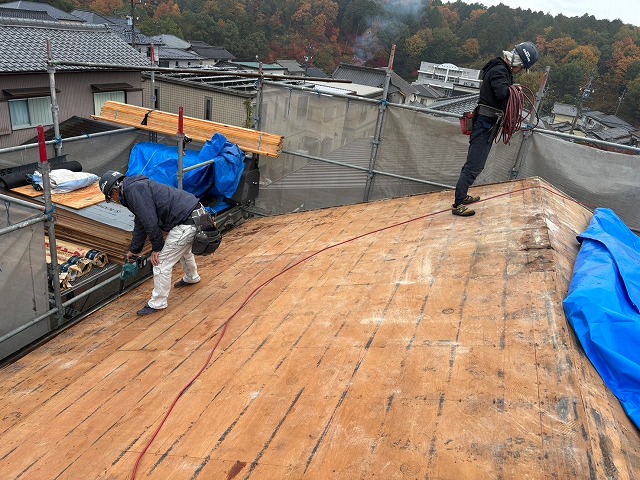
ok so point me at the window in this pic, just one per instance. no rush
(303, 101)
(30, 112)
(99, 99)
(207, 108)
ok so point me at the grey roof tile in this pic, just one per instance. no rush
(42, 7)
(23, 46)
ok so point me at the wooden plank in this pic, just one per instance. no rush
(436, 350)
(200, 130)
(81, 198)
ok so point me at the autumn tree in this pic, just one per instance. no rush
(106, 7)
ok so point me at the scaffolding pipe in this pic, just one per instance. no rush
(379, 123)
(21, 328)
(51, 70)
(366, 169)
(24, 203)
(88, 292)
(23, 224)
(69, 139)
(587, 140)
(193, 70)
(45, 169)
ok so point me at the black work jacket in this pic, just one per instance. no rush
(157, 208)
(496, 79)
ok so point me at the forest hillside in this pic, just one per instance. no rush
(580, 51)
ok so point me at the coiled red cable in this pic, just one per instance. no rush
(513, 114)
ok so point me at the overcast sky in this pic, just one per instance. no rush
(626, 10)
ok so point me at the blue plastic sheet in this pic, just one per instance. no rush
(220, 179)
(602, 305)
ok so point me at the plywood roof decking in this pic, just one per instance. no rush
(254, 141)
(436, 349)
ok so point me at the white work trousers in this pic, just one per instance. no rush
(177, 247)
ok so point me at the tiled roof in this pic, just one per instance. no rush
(42, 7)
(608, 120)
(75, 127)
(171, 41)
(211, 52)
(124, 32)
(291, 65)
(91, 17)
(23, 46)
(30, 14)
(457, 105)
(316, 73)
(165, 53)
(374, 77)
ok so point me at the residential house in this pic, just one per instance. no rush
(215, 95)
(178, 58)
(171, 41)
(51, 12)
(292, 68)
(400, 91)
(451, 79)
(25, 98)
(607, 127)
(211, 55)
(427, 95)
(123, 27)
(563, 112)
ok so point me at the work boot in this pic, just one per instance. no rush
(181, 283)
(147, 310)
(469, 199)
(462, 211)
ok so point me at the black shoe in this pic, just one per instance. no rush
(462, 211)
(469, 199)
(147, 310)
(181, 283)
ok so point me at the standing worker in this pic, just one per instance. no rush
(158, 208)
(497, 77)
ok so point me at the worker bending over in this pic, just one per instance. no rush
(158, 208)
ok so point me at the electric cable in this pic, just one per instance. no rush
(258, 289)
(514, 113)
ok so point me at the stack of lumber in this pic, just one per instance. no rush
(199, 130)
(74, 228)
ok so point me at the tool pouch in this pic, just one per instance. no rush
(466, 122)
(206, 241)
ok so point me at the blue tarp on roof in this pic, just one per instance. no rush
(602, 305)
(220, 179)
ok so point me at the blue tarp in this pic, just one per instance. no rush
(602, 305)
(220, 179)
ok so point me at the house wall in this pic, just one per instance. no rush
(74, 96)
(226, 108)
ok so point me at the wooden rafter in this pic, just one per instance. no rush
(253, 141)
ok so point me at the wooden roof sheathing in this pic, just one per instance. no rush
(385, 340)
(199, 130)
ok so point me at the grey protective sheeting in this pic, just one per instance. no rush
(592, 176)
(23, 278)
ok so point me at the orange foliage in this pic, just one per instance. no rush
(106, 6)
(167, 8)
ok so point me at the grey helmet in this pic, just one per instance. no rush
(528, 53)
(108, 182)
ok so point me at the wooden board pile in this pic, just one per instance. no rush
(199, 130)
(77, 229)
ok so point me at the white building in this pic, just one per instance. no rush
(448, 76)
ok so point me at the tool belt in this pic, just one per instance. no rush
(208, 237)
(490, 112)
(200, 218)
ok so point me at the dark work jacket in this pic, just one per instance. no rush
(497, 78)
(157, 207)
